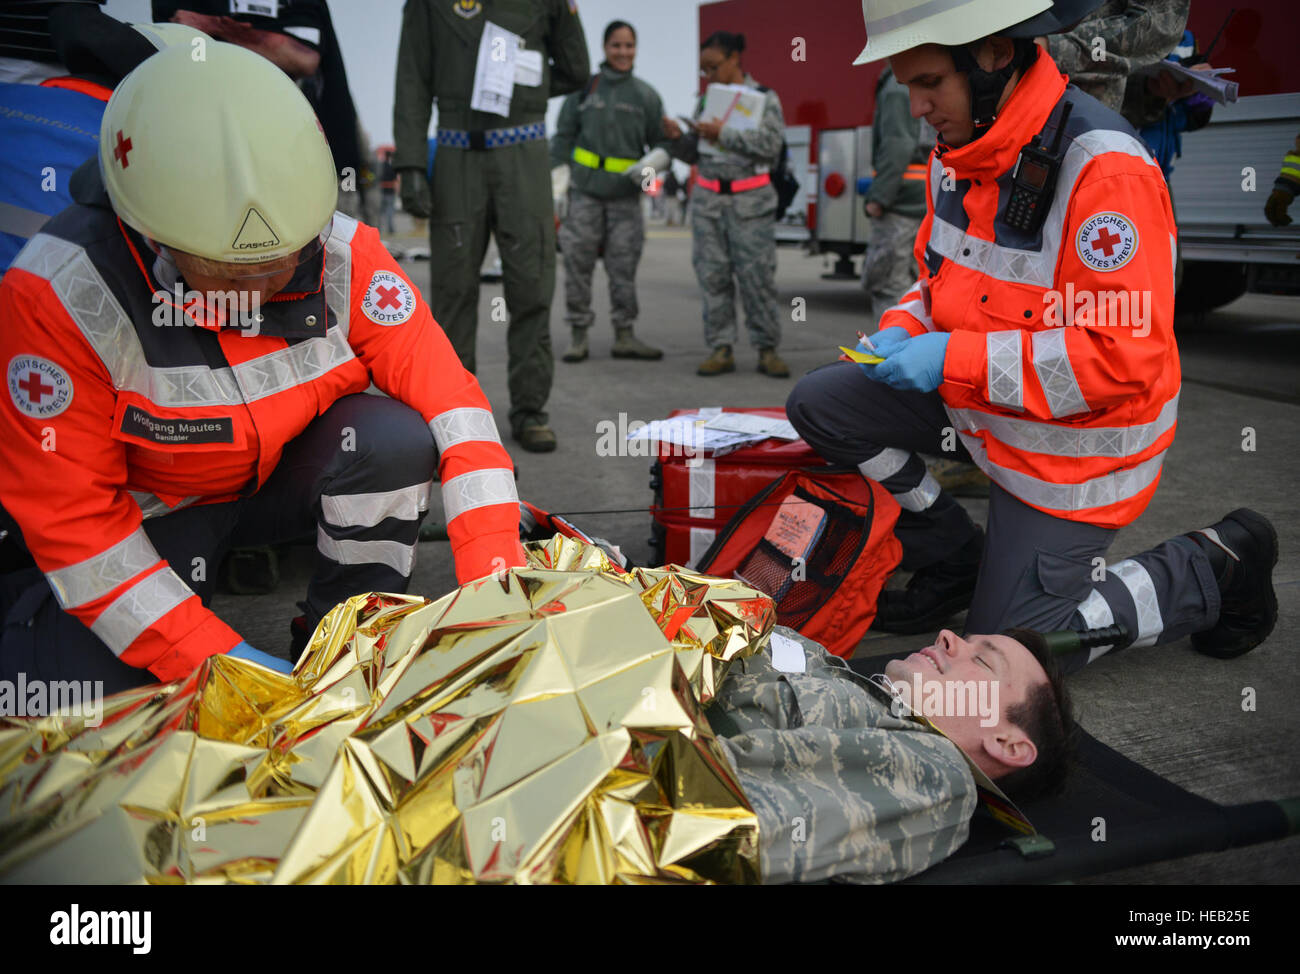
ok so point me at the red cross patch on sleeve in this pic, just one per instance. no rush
(389, 300)
(39, 388)
(1106, 241)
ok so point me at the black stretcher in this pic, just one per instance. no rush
(1147, 819)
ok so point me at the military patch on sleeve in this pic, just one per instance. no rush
(1106, 241)
(389, 300)
(39, 388)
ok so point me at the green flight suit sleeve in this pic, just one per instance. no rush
(1131, 34)
(899, 135)
(764, 142)
(567, 44)
(413, 95)
(566, 132)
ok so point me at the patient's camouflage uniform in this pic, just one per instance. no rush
(842, 788)
(617, 225)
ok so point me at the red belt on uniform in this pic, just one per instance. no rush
(728, 186)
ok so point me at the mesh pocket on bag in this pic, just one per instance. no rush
(801, 590)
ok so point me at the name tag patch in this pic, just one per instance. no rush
(210, 429)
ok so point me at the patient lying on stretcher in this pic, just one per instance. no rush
(845, 786)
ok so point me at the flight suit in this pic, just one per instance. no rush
(492, 173)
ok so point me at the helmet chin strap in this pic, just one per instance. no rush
(986, 86)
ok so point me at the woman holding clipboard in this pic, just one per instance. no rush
(734, 206)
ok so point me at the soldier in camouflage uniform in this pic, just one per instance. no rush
(601, 134)
(1131, 35)
(492, 175)
(733, 210)
(843, 786)
(896, 200)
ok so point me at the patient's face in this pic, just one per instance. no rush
(965, 687)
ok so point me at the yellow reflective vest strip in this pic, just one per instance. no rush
(585, 157)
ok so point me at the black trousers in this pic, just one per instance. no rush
(1038, 571)
(359, 476)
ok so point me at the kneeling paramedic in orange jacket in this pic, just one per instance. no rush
(1038, 342)
(187, 350)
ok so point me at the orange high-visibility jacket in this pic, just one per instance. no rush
(121, 405)
(1062, 374)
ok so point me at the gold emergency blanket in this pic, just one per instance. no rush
(540, 727)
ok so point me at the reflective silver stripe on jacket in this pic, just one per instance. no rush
(367, 510)
(91, 305)
(1056, 375)
(292, 366)
(1138, 582)
(478, 488)
(1055, 440)
(397, 556)
(1096, 614)
(105, 325)
(138, 608)
(914, 307)
(463, 425)
(1037, 268)
(338, 269)
(98, 575)
(153, 506)
(1005, 382)
(884, 464)
(1111, 488)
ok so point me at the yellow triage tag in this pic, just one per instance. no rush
(864, 358)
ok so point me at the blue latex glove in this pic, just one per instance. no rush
(885, 339)
(916, 364)
(881, 339)
(244, 651)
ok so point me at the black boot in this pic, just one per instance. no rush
(1242, 549)
(934, 593)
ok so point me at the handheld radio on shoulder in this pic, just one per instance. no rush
(1034, 180)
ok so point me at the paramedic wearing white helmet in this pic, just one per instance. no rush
(187, 349)
(1043, 210)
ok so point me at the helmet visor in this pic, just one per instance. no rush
(188, 265)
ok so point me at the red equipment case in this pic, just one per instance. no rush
(691, 503)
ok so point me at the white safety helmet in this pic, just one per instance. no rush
(894, 26)
(212, 150)
(168, 35)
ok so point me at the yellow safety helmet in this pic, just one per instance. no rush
(212, 150)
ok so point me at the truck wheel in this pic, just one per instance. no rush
(1209, 284)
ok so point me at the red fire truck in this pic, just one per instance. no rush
(805, 52)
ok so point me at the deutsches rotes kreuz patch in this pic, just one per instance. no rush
(39, 388)
(389, 299)
(1106, 241)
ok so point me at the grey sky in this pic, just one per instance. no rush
(667, 52)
